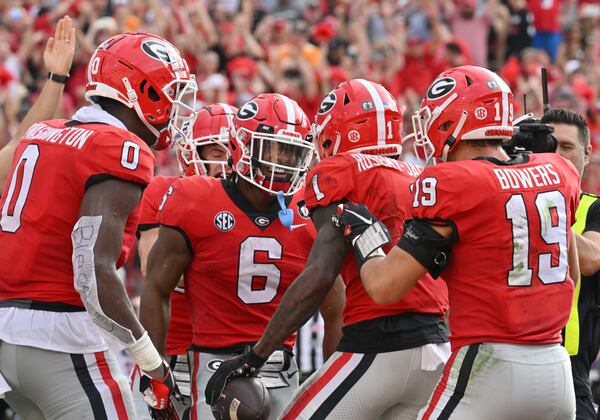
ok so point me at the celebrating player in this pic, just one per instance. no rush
(240, 243)
(205, 153)
(358, 123)
(498, 230)
(67, 205)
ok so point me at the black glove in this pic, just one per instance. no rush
(366, 234)
(157, 392)
(246, 364)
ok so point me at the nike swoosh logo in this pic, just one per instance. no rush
(367, 221)
(292, 227)
(289, 375)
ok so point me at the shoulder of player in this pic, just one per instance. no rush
(109, 135)
(331, 165)
(457, 175)
(196, 187)
(158, 186)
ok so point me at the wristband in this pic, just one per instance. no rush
(58, 78)
(145, 354)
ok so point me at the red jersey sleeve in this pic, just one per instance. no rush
(118, 154)
(151, 201)
(330, 181)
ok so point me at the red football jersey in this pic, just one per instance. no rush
(54, 164)
(179, 335)
(508, 277)
(382, 184)
(243, 259)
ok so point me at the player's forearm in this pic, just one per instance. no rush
(155, 315)
(115, 303)
(588, 250)
(298, 304)
(43, 108)
(387, 279)
(332, 310)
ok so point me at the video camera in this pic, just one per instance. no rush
(531, 135)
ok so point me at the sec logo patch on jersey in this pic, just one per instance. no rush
(224, 221)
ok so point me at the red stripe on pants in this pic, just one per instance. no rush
(441, 386)
(115, 391)
(319, 384)
(195, 386)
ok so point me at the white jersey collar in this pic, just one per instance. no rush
(94, 113)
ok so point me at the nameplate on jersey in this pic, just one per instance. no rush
(537, 176)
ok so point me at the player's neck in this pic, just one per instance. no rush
(467, 152)
(259, 199)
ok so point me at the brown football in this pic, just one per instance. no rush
(244, 398)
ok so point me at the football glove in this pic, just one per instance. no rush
(366, 234)
(157, 392)
(246, 364)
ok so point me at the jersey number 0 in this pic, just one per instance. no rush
(20, 182)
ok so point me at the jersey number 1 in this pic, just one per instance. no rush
(551, 208)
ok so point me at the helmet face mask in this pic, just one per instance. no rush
(269, 144)
(211, 128)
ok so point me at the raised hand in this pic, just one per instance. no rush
(60, 49)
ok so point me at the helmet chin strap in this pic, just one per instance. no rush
(451, 140)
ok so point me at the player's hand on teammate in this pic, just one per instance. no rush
(157, 386)
(60, 49)
(246, 364)
(362, 229)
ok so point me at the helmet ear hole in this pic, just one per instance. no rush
(153, 94)
(469, 80)
(346, 99)
(445, 126)
(327, 144)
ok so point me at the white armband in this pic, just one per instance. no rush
(145, 354)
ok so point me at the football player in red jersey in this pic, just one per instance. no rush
(390, 357)
(64, 213)
(240, 243)
(498, 229)
(203, 154)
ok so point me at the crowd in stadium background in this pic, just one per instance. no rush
(304, 48)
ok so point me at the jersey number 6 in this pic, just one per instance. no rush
(258, 282)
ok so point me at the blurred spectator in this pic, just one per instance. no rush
(521, 29)
(546, 19)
